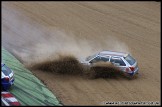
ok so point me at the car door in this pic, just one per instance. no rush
(118, 62)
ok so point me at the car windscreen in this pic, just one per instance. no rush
(90, 57)
(130, 59)
(6, 70)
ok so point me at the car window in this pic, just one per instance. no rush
(90, 57)
(130, 59)
(95, 60)
(118, 60)
(6, 70)
(105, 59)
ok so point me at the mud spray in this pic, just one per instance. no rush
(50, 48)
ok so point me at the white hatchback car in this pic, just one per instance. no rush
(124, 61)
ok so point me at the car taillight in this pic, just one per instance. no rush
(132, 68)
(6, 79)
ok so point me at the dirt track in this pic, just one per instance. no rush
(122, 26)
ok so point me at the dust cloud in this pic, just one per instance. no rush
(32, 43)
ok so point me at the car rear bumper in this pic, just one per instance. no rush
(134, 72)
(7, 85)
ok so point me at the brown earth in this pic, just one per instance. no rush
(38, 31)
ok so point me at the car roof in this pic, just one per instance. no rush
(113, 53)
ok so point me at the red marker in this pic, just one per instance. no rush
(8, 99)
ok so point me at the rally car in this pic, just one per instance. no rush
(7, 77)
(123, 61)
